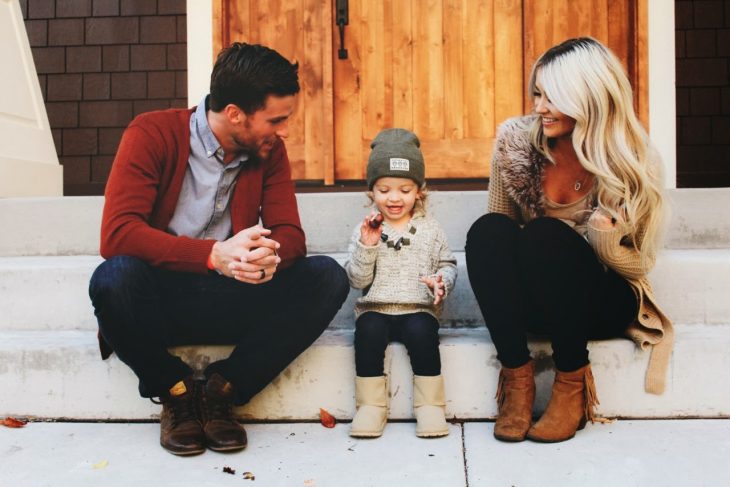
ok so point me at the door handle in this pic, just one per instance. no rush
(342, 19)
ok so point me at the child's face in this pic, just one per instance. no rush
(395, 198)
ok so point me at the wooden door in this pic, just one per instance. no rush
(301, 30)
(450, 70)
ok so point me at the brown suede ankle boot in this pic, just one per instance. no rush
(180, 430)
(515, 396)
(571, 405)
(222, 431)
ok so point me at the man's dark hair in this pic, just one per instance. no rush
(246, 74)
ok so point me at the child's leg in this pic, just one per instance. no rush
(371, 340)
(419, 332)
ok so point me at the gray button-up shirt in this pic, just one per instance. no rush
(203, 209)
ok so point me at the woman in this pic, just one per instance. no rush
(572, 229)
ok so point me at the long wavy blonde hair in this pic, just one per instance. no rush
(584, 80)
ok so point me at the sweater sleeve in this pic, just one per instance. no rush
(360, 265)
(624, 259)
(447, 265)
(279, 211)
(130, 198)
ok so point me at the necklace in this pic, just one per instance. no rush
(579, 183)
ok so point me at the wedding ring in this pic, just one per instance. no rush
(263, 274)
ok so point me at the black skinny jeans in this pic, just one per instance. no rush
(419, 332)
(546, 279)
(143, 310)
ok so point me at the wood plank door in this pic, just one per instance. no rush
(619, 24)
(301, 30)
(450, 70)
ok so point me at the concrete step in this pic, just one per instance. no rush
(674, 453)
(70, 225)
(50, 293)
(58, 374)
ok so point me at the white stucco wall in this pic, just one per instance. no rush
(662, 97)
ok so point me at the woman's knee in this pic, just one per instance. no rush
(490, 227)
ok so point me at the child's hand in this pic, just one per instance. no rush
(368, 235)
(436, 283)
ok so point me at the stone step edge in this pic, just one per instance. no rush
(60, 375)
(690, 285)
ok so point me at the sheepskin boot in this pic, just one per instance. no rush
(515, 397)
(429, 405)
(571, 405)
(371, 399)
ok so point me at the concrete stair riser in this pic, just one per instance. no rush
(60, 375)
(70, 225)
(51, 293)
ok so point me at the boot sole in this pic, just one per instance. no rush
(437, 434)
(510, 439)
(226, 448)
(366, 435)
(184, 453)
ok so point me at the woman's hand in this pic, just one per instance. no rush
(601, 220)
(370, 236)
(436, 283)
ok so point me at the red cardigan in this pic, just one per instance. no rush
(145, 184)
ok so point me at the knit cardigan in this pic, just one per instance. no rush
(515, 189)
(145, 184)
(390, 277)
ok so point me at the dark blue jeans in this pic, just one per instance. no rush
(143, 310)
(546, 279)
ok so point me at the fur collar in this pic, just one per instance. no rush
(520, 165)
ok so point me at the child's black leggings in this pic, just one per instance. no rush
(544, 278)
(419, 332)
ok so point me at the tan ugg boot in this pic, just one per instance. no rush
(571, 405)
(371, 399)
(429, 405)
(515, 397)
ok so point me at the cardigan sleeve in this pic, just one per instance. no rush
(279, 211)
(360, 265)
(624, 259)
(499, 200)
(132, 192)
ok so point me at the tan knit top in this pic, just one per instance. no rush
(515, 189)
(390, 278)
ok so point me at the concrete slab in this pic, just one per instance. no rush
(298, 455)
(691, 285)
(70, 225)
(60, 375)
(677, 453)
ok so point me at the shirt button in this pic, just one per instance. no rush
(209, 153)
(218, 207)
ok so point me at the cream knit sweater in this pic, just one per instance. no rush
(390, 278)
(515, 189)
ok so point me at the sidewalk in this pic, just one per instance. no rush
(667, 453)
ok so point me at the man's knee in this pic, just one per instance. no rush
(327, 277)
(116, 275)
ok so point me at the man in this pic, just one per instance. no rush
(189, 263)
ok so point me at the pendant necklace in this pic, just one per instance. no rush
(579, 184)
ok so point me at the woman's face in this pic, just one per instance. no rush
(554, 123)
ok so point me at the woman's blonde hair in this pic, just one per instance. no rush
(585, 81)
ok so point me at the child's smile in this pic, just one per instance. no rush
(395, 199)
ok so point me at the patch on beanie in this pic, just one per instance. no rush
(399, 164)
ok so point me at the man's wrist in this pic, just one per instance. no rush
(209, 263)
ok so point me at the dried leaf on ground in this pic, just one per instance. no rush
(13, 422)
(100, 465)
(229, 470)
(604, 420)
(327, 420)
(249, 476)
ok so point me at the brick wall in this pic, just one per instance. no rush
(100, 63)
(703, 93)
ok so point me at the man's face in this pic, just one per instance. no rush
(257, 132)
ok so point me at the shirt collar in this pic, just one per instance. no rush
(210, 143)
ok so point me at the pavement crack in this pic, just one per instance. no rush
(463, 453)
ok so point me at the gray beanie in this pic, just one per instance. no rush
(396, 153)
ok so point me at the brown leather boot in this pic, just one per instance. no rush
(180, 431)
(222, 431)
(515, 397)
(571, 405)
